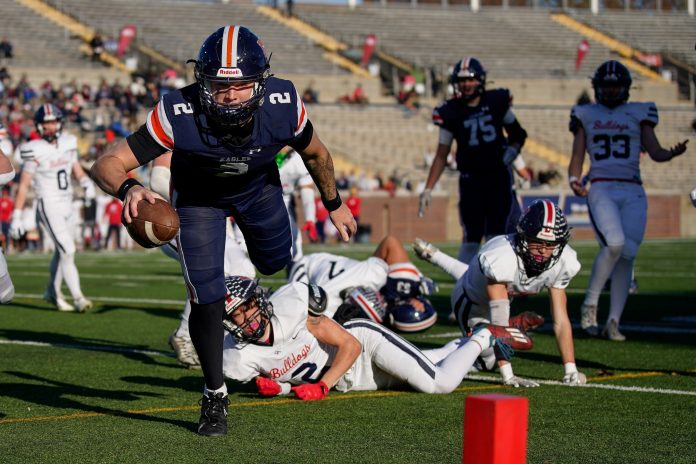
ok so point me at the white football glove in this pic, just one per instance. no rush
(510, 154)
(17, 230)
(693, 197)
(574, 378)
(424, 201)
(518, 382)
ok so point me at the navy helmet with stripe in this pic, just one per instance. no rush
(468, 68)
(244, 294)
(611, 82)
(231, 54)
(542, 222)
(412, 314)
(48, 112)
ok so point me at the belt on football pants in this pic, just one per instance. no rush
(609, 179)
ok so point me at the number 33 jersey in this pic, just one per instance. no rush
(51, 166)
(613, 137)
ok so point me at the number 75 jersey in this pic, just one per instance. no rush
(51, 166)
(613, 137)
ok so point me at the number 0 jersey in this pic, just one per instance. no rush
(206, 167)
(613, 137)
(498, 262)
(295, 356)
(51, 166)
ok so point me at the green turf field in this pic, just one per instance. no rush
(103, 386)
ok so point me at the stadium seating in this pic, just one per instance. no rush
(668, 33)
(514, 43)
(177, 29)
(38, 42)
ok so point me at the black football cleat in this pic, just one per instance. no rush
(213, 421)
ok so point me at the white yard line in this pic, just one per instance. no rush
(603, 386)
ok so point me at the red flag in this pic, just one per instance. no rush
(126, 36)
(368, 48)
(583, 48)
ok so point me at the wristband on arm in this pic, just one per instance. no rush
(125, 186)
(332, 205)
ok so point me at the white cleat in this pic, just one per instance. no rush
(588, 319)
(185, 351)
(424, 250)
(58, 301)
(611, 331)
(83, 304)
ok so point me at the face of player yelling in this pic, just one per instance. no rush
(50, 129)
(468, 86)
(232, 93)
(249, 318)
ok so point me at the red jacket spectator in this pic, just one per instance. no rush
(353, 203)
(113, 211)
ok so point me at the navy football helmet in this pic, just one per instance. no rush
(232, 54)
(412, 315)
(611, 82)
(542, 222)
(48, 112)
(245, 291)
(466, 68)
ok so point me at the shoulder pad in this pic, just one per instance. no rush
(317, 300)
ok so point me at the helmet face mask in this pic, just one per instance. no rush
(612, 82)
(231, 62)
(48, 120)
(468, 79)
(248, 311)
(542, 234)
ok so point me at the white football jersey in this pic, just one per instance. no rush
(498, 262)
(613, 137)
(335, 273)
(51, 165)
(293, 174)
(295, 356)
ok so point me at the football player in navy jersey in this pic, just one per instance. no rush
(224, 132)
(612, 132)
(489, 138)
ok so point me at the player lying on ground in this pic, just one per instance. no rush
(386, 287)
(285, 343)
(535, 258)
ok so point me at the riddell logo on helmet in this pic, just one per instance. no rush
(229, 72)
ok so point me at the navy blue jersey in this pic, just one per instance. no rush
(478, 130)
(208, 170)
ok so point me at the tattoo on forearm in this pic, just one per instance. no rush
(322, 172)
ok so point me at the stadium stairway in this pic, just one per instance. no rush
(617, 46)
(81, 30)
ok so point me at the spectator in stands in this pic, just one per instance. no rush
(97, 46)
(550, 177)
(489, 139)
(112, 213)
(288, 5)
(322, 215)
(354, 203)
(342, 182)
(359, 96)
(5, 48)
(6, 208)
(309, 95)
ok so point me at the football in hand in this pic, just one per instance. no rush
(156, 224)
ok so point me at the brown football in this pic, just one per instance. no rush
(155, 225)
